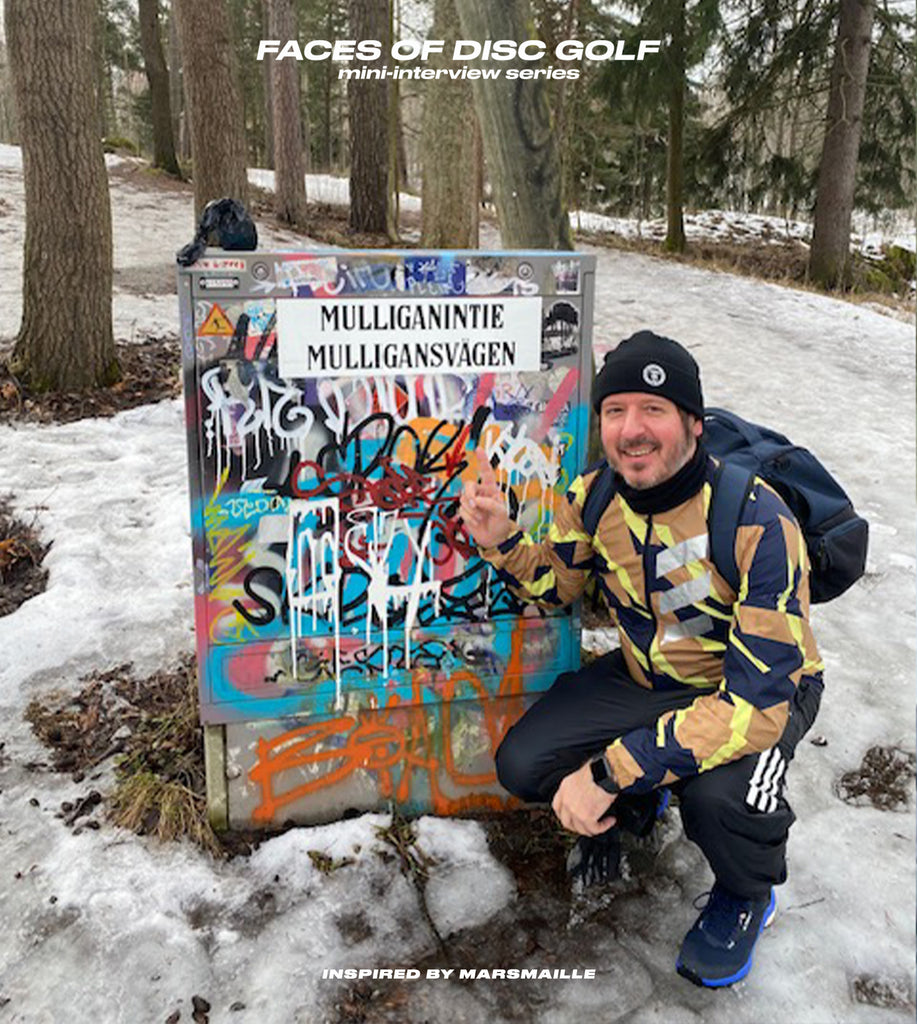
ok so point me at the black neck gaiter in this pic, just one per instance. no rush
(677, 489)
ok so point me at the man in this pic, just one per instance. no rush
(710, 691)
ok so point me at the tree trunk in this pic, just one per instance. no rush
(519, 141)
(450, 199)
(326, 97)
(158, 76)
(393, 213)
(214, 102)
(267, 71)
(403, 174)
(369, 123)
(306, 128)
(8, 132)
(562, 120)
(65, 341)
(829, 258)
(176, 93)
(674, 191)
(289, 171)
(100, 81)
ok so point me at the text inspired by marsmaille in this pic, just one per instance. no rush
(461, 974)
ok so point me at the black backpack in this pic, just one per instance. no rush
(837, 538)
(225, 223)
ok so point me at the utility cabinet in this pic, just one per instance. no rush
(353, 650)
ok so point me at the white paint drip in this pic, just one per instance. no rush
(324, 576)
(382, 595)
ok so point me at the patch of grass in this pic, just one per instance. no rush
(80, 729)
(151, 726)
(149, 804)
(160, 777)
(120, 144)
(399, 835)
(326, 863)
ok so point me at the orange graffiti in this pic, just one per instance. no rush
(396, 738)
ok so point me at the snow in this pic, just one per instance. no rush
(869, 234)
(325, 188)
(464, 864)
(136, 928)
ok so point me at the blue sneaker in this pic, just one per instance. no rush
(717, 950)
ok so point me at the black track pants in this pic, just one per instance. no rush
(737, 813)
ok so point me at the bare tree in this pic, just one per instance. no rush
(519, 141)
(267, 69)
(450, 198)
(829, 258)
(289, 166)
(214, 102)
(370, 124)
(158, 76)
(65, 340)
(176, 95)
(675, 172)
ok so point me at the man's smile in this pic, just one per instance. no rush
(637, 452)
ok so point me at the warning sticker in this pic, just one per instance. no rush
(217, 322)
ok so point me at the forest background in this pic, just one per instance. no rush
(796, 109)
(787, 127)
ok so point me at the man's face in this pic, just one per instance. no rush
(646, 438)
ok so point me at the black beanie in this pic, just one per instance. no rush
(650, 363)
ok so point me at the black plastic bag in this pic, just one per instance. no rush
(224, 223)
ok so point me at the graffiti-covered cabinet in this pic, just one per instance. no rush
(353, 648)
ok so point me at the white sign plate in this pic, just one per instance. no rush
(386, 336)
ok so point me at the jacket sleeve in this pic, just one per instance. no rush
(553, 572)
(770, 651)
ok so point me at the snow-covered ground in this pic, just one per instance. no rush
(870, 234)
(326, 188)
(106, 926)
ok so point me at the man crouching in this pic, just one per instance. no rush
(710, 691)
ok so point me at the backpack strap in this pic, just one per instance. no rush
(731, 488)
(598, 497)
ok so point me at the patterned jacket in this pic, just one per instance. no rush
(680, 623)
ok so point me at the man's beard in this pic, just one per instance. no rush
(676, 461)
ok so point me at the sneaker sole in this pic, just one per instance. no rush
(696, 979)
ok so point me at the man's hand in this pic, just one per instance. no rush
(579, 803)
(483, 507)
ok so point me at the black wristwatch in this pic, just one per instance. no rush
(602, 775)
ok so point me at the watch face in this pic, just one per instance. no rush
(599, 770)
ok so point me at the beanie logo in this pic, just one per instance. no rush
(654, 375)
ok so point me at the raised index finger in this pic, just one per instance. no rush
(485, 470)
